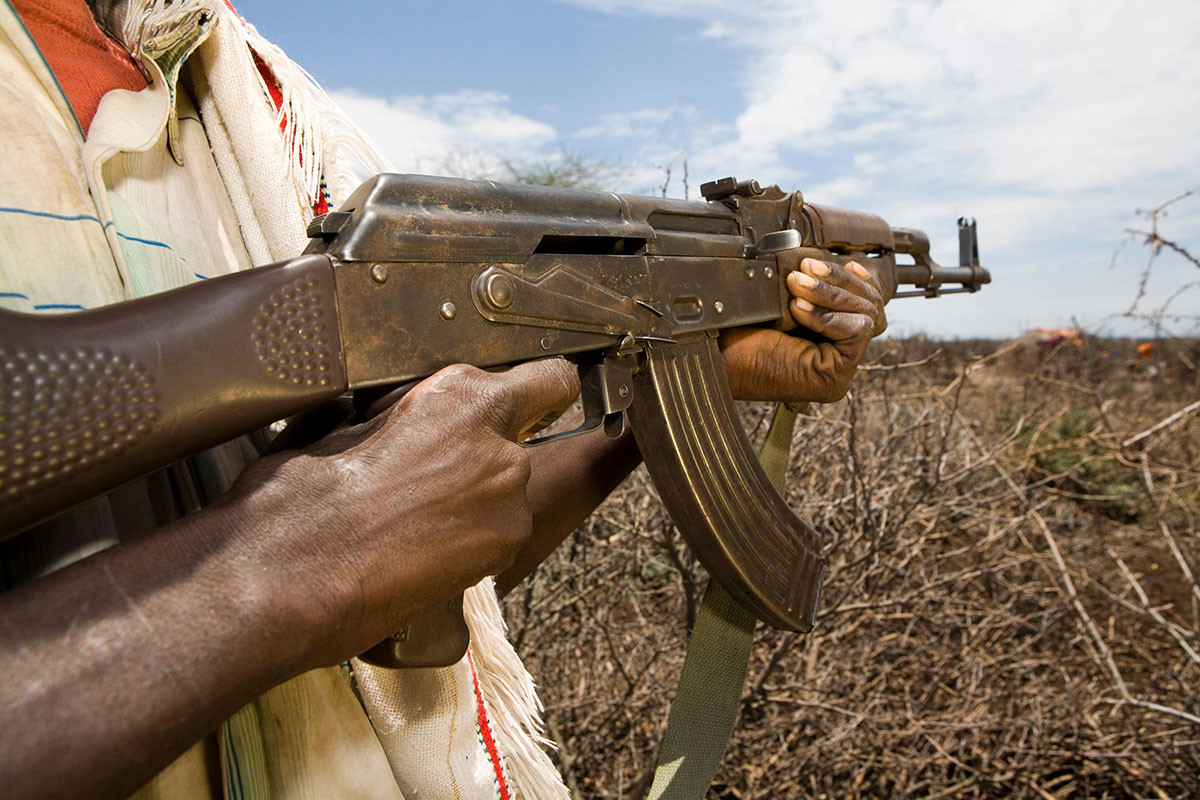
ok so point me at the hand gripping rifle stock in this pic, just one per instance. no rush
(415, 273)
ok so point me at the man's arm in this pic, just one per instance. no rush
(115, 665)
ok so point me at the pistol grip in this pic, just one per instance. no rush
(437, 639)
(714, 487)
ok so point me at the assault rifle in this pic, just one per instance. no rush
(414, 273)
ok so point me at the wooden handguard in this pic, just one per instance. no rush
(715, 489)
(97, 398)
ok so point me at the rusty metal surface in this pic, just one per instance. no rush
(843, 230)
(714, 487)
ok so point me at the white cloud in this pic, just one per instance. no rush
(1051, 122)
(644, 124)
(436, 133)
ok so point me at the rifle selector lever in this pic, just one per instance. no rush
(774, 242)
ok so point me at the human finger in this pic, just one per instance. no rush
(853, 277)
(824, 294)
(845, 329)
(523, 396)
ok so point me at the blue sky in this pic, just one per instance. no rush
(1052, 123)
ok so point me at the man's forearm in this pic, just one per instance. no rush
(568, 480)
(114, 666)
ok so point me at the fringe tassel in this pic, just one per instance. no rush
(513, 705)
(320, 140)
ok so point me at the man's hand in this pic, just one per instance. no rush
(376, 523)
(842, 304)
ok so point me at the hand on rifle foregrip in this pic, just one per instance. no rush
(843, 304)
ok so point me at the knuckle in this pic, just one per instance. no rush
(823, 316)
(493, 402)
(872, 294)
(514, 468)
(497, 394)
(561, 379)
(460, 381)
(457, 374)
(860, 305)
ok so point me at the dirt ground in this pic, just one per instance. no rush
(1011, 607)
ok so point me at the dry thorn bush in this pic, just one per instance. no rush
(1011, 606)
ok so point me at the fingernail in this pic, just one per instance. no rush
(818, 268)
(860, 270)
(805, 280)
(802, 304)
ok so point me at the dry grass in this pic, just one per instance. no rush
(1011, 606)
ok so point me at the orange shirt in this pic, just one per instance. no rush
(86, 62)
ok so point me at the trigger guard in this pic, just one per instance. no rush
(606, 387)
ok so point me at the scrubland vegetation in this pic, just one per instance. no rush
(1011, 607)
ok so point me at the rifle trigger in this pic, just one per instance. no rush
(606, 389)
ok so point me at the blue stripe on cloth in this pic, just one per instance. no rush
(139, 240)
(201, 277)
(83, 218)
(237, 767)
(14, 294)
(48, 215)
(59, 306)
(193, 119)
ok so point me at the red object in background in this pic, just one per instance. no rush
(1146, 349)
(1053, 337)
(85, 61)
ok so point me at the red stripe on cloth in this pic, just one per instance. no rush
(272, 86)
(485, 730)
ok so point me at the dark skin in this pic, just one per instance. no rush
(115, 665)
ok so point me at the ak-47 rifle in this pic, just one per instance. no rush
(414, 273)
